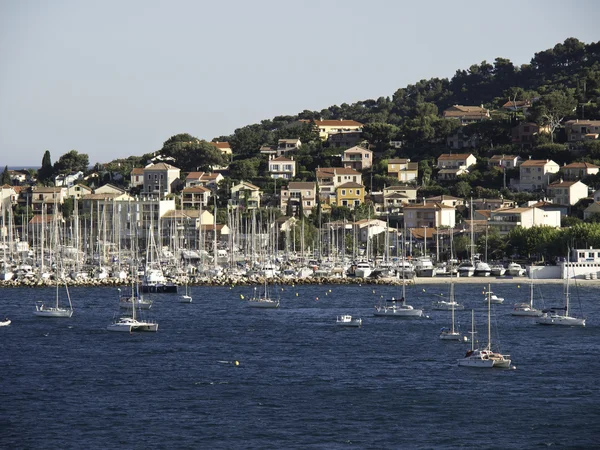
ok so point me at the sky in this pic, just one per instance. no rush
(113, 79)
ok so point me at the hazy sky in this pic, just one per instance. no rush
(118, 78)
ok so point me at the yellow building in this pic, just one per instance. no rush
(350, 194)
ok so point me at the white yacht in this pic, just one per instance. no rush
(515, 270)
(43, 310)
(130, 324)
(346, 320)
(482, 269)
(263, 299)
(484, 358)
(6, 322)
(498, 270)
(397, 308)
(424, 267)
(527, 309)
(560, 316)
(493, 298)
(363, 269)
(466, 269)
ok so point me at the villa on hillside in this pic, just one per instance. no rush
(467, 114)
(567, 192)
(403, 170)
(504, 220)
(357, 158)
(578, 170)
(299, 191)
(582, 130)
(535, 174)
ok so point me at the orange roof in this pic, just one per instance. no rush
(336, 123)
(137, 171)
(536, 162)
(450, 156)
(581, 165)
(221, 145)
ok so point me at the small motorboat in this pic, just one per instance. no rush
(346, 320)
(5, 322)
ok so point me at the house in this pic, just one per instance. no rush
(446, 200)
(517, 105)
(456, 161)
(432, 215)
(582, 130)
(567, 192)
(535, 174)
(330, 178)
(393, 198)
(196, 197)
(285, 224)
(525, 133)
(282, 167)
(344, 138)
(160, 179)
(285, 146)
(223, 147)
(592, 210)
(47, 198)
(299, 191)
(137, 176)
(545, 205)
(8, 197)
(207, 179)
(357, 158)
(467, 114)
(68, 180)
(368, 228)
(579, 170)
(327, 127)
(188, 222)
(505, 161)
(109, 189)
(43, 221)
(490, 204)
(404, 170)
(505, 220)
(350, 194)
(19, 177)
(245, 195)
(451, 174)
(77, 191)
(221, 231)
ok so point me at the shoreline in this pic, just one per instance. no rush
(243, 281)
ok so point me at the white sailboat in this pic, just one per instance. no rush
(560, 316)
(186, 298)
(131, 324)
(263, 299)
(43, 310)
(485, 358)
(451, 334)
(527, 309)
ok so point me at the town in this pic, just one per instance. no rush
(511, 178)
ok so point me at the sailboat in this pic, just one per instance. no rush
(186, 298)
(130, 324)
(451, 334)
(485, 357)
(43, 310)
(527, 309)
(560, 316)
(263, 299)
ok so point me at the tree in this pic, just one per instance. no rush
(5, 177)
(191, 153)
(46, 171)
(462, 189)
(552, 108)
(379, 134)
(72, 162)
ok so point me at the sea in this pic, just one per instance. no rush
(221, 375)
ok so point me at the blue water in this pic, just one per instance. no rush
(301, 381)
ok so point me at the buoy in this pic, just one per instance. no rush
(241, 296)
(237, 363)
(329, 290)
(317, 298)
(296, 294)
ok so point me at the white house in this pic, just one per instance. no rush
(282, 167)
(536, 174)
(504, 220)
(432, 215)
(160, 179)
(567, 192)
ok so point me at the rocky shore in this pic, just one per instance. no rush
(250, 281)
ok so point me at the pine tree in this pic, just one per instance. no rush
(46, 171)
(5, 177)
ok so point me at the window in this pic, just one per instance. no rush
(358, 192)
(343, 191)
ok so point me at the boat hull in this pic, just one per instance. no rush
(388, 312)
(446, 306)
(566, 321)
(450, 336)
(264, 304)
(159, 288)
(53, 312)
